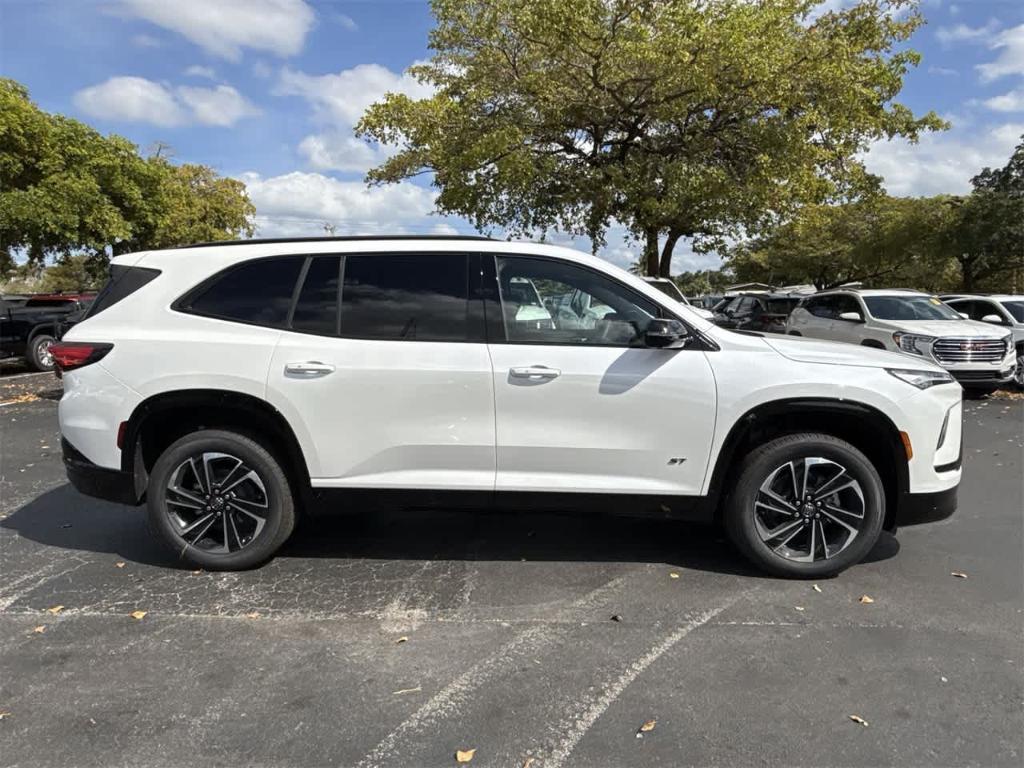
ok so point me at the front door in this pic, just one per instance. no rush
(581, 404)
(394, 390)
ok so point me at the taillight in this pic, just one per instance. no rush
(68, 355)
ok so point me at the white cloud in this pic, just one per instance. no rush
(346, 22)
(222, 105)
(131, 99)
(146, 41)
(1008, 102)
(961, 33)
(136, 99)
(261, 70)
(297, 203)
(341, 152)
(1010, 44)
(225, 27)
(942, 163)
(343, 97)
(197, 71)
(943, 71)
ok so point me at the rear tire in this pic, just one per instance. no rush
(38, 354)
(806, 506)
(220, 501)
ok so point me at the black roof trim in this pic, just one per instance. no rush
(336, 239)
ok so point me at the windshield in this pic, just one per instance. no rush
(1015, 308)
(670, 289)
(909, 308)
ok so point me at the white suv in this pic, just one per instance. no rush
(234, 386)
(1001, 310)
(978, 355)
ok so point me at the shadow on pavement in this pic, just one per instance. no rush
(64, 518)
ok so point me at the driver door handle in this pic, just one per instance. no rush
(535, 372)
(310, 369)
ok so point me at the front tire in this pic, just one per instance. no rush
(38, 354)
(220, 501)
(806, 506)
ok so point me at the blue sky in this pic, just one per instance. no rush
(267, 91)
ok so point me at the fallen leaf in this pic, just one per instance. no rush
(56, 609)
(402, 639)
(944, 679)
(816, 588)
(417, 689)
(859, 720)
(798, 607)
(119, 565)
(253, 615)
(958, 574)
(616, 617)
(138, 614)
(464, 755)
(646, 728)
(4, 715)
(40, 629)
(865, 599)
(529, 761)
(673, 575)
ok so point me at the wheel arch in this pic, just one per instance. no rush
(865, 427)
(161, 419)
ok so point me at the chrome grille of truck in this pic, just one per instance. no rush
(954, 350)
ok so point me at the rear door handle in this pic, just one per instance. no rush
(310, 369)
(535, 372)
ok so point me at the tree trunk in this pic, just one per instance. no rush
(966, 274)
(651, 251)
(665, 267)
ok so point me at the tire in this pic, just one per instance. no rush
(759, 532)
(200, 519)
(38, 353)
(1018, 375)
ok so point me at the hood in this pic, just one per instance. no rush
(971, 329)
(803, 350)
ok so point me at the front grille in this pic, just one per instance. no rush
(953, 350)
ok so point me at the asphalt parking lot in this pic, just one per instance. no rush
(395, 640)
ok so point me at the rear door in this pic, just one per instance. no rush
(391, 387)
(581, 404)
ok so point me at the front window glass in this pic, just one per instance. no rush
(909, 308)
(1015, 308)
(576, 305)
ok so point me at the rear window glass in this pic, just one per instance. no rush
(408, 297)
(1015, 308)
(316, 311)
(257, 292)
(123, 282)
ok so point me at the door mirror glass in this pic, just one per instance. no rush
(994, 319)
(666, 334)
(964, 315)
(851, 317)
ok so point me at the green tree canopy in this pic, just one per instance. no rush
(678, 118)
(67, 189)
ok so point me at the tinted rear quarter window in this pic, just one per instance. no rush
(123, 282)
(405, 297)
(257, 292)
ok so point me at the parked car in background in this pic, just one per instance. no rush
(1003, 310)
(236, 386)
(670, 289)
(15, 299)
(761, 312)
(29, 330)
(978, 355)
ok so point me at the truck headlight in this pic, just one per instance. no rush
(921, 379)
(909, 342)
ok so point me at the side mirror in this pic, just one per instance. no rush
(994, 319)
(964, 315)
(851, 317)
(666, 334)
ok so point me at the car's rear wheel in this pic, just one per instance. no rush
(220, 500)
(806, 506)
(38, 354)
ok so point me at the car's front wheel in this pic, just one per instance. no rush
(806, 506)
(220, 500)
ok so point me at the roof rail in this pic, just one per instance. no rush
(327, 239)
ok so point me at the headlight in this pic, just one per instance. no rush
(921, 379)
(908, 342)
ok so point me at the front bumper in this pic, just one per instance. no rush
(110, 484)
(982, 378)
(918, 508)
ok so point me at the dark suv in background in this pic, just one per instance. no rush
(762, 312)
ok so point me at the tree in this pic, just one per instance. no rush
(989, 242)
(679, 118)
(67, 189)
